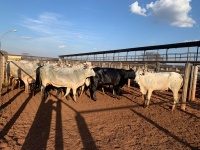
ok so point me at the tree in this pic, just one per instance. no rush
(25, 55)
(152, 56)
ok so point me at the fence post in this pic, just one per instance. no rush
(129, 82)
(191, 82)
(121, 65)
(157, 67)
(145, 66)
(197, 53)
(194, 84)
(185, 85)
(167, 54)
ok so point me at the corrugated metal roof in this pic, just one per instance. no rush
(146, 48)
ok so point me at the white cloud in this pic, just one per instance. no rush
(62, 46)
(135, 8)
(46, 23)
(176, 12)
(54, 28)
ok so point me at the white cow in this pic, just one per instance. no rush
(24, 70)
(149, 82)
(71, 78)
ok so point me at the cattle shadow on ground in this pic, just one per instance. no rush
(142, 101)
(193, 105)
(164, 130)
(11, 122)
(165, 98)
(153, 101)
(37, 137)
(159, 96)
(38, 134)
(3, 106)
(188, 113)
(86, 137)
(170, 100)
(109, 91)
(5, 92)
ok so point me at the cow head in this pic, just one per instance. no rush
(139, 74)
(131, 73)
(89, 67)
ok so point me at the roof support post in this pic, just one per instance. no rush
(126, 55)
(144, 55)
(167, 54)
(188, 53)
(197, 53)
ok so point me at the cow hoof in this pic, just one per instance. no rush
(94, 99)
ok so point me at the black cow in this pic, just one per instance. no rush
(110, 76)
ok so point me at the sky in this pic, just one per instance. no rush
(50, 28)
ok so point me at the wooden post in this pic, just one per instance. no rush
(194, 84)
(120, 65)
(129, 82)
(185, 85)
(157, 67)
(145, 66)
(191, 82)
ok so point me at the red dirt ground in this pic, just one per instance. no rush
(31, 124)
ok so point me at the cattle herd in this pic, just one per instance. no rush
(70, 79)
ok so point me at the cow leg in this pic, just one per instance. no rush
(82, 89)
(10, 81)
(93, 88)
(43, 93)
(67, 92)
(58, 91)
(32, 88)
(144, 97)
(19, 83)
(103, 90)
(13, 83)
(74, 94)
(116, 91)
(175, 95)
(149, 93)
(26, 87)
(93, 95)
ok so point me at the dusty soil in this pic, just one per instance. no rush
(29, 123)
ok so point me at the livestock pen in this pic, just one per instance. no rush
(108, 123)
